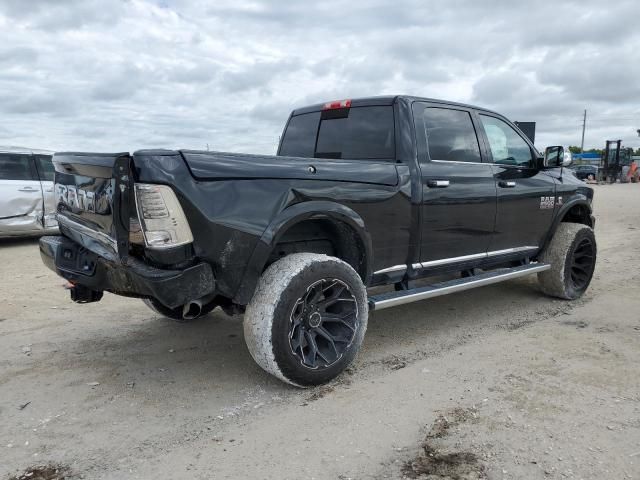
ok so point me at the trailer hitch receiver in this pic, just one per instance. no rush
(81, 294)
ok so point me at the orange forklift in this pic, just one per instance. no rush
(614, 158)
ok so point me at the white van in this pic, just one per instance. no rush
(27, 205)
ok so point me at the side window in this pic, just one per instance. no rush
(507, 147)
(15, 167)
(45, 168)
(300, 137)
(451, 136)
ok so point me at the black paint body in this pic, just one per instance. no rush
(240, 206)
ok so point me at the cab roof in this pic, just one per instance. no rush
(387, 100)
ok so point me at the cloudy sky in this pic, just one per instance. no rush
(111, 75)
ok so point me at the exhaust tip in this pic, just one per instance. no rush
(192, 310)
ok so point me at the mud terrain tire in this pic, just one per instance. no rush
(572, 256)
(307, 318)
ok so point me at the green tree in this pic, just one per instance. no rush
(574, 149)
(595, 150)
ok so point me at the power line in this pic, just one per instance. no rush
(584, 126)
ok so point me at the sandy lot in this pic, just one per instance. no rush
(498, 382)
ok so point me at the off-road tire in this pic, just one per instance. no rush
(270, 318)
(558, 281)
(175, 313)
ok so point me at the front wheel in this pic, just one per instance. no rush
(572, 256)
(307, 318)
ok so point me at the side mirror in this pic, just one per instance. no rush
(557, 156)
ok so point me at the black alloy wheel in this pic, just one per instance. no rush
(582, 263)
(323, 323)
(571, 256)
(307, 318)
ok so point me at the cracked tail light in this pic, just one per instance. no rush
(161, 217)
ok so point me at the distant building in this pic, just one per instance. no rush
(588, 158)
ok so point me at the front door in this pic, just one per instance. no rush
(526, 194)
(459, 191)
(20, 195)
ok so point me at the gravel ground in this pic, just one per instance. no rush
(497, 382)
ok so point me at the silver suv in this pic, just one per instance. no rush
(27, 205)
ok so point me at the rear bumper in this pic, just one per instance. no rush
(131, 278)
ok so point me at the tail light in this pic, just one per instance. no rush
(161, 217)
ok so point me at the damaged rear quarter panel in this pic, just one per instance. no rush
(228, 216)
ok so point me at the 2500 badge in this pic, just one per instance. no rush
(549, 202)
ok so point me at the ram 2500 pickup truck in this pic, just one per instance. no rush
(362, 193)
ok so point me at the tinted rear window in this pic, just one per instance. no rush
(451, 136)
(354, 133)
(300, 137)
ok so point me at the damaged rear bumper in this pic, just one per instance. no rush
(131, 278)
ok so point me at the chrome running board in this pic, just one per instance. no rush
(392, 299)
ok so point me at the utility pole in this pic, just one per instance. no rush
(584, 125)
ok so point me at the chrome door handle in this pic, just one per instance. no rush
(507, 183)
(438, 183)
(28, 189)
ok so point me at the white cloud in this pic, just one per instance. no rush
(122, 75)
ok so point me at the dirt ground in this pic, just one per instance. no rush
(498, 382)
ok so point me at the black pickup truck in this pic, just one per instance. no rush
(362, 193)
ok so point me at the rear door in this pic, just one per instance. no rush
(459, 192)
(46, 174)
(526, 194)
(21, 206)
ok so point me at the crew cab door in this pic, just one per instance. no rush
(20, 195)
(526, 194)
(458, 190)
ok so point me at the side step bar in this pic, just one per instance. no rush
(392, 299)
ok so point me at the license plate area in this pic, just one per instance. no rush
(73, 258)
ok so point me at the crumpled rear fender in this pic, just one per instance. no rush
(286, 219)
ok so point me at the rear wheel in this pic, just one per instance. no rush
(572, 256)
(307, 318)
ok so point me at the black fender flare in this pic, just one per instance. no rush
(577, 200)
(289, 217)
